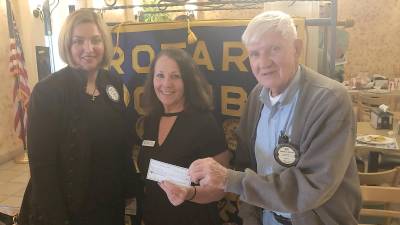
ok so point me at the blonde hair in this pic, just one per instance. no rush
(76, 18)
(269, 21)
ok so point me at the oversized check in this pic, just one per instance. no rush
(160, 171)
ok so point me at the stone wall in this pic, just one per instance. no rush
(374, 44)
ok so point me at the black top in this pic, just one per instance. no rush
(194, 135)
(105, 136)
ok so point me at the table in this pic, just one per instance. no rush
(364, 128)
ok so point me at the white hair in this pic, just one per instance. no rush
(269, 21)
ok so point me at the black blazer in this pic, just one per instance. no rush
(59, 149)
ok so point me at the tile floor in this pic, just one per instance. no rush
(13, 180)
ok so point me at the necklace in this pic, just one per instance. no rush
(93, 98)
(92, 80)
(171, 114)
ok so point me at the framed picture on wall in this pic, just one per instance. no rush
(43, 61)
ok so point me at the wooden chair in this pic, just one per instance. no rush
(367, 102)
(380, 194)
(382, 178)
(395, 101)
(396, 115)
(388, 178)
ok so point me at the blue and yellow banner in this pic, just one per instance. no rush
(218, 52)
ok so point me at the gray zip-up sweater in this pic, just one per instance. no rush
(323, 188)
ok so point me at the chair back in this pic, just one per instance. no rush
(367, 102)
(382, 178)
(387, 195)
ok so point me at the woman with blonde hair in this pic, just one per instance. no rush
(80, 158)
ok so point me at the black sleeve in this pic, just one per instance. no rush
(131, 118)
(44, 134)
(133, 181)
(132, 178)
(212, 137)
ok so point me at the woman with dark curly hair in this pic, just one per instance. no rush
(178, 129)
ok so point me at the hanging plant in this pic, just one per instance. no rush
(154, 17)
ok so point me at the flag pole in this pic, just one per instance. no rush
(22, 158)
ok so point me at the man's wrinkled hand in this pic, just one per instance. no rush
(208, 172)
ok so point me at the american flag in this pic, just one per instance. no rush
(21, 91)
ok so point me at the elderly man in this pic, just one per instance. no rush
(297, 133)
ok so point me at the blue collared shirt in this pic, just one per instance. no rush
(274, 119)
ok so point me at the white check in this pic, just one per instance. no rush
(160, 171)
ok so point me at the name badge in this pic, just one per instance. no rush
(112, 93)
(148, 143)
(286, 155)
